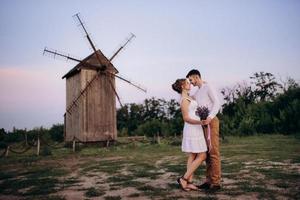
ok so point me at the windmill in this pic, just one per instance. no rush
(91, 94)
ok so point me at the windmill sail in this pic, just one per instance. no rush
(123, 46)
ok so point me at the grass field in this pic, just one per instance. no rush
(255, 167)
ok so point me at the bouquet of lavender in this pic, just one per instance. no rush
(202, 112)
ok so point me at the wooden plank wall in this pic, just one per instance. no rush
(99, 108)
(73, 122)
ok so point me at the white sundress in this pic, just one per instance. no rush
(193, 140)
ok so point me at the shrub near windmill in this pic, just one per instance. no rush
(90, 95)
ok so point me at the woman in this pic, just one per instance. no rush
(193, 141)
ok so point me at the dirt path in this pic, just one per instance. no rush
(164, 182)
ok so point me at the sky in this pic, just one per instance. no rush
(226, 40)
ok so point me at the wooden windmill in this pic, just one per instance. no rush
(91, 94)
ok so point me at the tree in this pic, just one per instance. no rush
(3, 134)
(57, 132)
(263, 107)
(237, 97)
(286, 111)
(123, 117)
(155, 109)
(289, 83)
(131, 116)
(266, 87)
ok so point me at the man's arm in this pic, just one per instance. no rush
(216, 103)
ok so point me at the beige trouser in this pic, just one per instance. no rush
(213, 161)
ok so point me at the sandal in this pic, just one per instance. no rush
(181, 186)
(194, 187)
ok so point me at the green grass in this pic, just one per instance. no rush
(153, 191)
(109, 167)
(143, 170)
(72, 181)
(274, 147)
(112, 198)
(276, 173)
(232, 168)
(247, 161)
(134, 195)
(37, 181)
(51, 197)
(121, 181)
(93, 192)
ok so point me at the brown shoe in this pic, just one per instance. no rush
(204, 186)
(192, 186)
(214, 188)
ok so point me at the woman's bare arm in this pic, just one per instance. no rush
(185, 114)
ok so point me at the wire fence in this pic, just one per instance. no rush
(38, 141)
(26, 145)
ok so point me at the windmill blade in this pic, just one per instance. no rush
(122, 47)
(89, 39)
(101, 67)
(98, 57)
(83, 92)
(89, 84)
(131, 83)
(80, 23)
(112, 86)
(55, 53)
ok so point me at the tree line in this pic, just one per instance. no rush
(261, 105)
(266, 105)
(55, 133)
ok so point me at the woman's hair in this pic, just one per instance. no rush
(177, 86)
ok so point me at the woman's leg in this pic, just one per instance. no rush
(191, 158)
(195, 164)
(198, 159)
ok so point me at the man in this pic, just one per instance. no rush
(206, 96)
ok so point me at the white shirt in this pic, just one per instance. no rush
(206, 96)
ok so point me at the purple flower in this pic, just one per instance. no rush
(202, 112)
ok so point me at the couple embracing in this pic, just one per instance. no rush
(200, 136)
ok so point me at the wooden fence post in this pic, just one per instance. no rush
(74, 144)
(26, 141)
(7, 150)
(38, 145)
(158, 138)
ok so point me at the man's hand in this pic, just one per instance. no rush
(207, 121)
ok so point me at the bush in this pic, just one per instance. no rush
(57, 132)
(150, 128)
(123, 132)
(227, 125)
(46, 151)
(279, 112)
(247, 126)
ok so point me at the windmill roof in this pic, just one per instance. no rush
(91, 62)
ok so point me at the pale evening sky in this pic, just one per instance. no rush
(227, 40)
